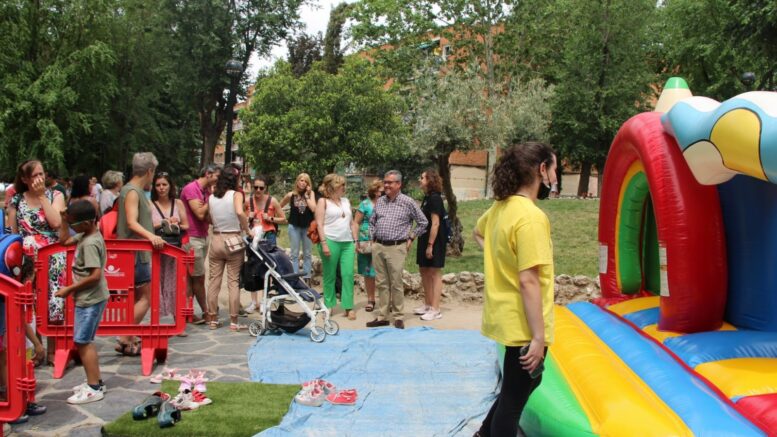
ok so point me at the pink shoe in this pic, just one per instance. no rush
(343, 397)
(199, 381)
(313, 398)
(166, 374)
(326, 387)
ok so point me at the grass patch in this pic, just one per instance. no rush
(238, 409)
(573, 222)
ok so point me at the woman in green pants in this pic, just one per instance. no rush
(337, 248)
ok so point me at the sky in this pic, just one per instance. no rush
(314, 17)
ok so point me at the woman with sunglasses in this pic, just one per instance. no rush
(265, 209)
(169, 219)
(302, 201)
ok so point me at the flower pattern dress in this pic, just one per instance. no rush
(36, 233)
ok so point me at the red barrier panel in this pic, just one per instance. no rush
(118, 318)
(21, 378)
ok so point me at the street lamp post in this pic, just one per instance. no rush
(234, 70)
(747, 79)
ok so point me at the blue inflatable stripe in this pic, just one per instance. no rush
(644, 317)
(693, 401)
(705, 347)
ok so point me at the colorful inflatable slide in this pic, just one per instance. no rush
(684, 339)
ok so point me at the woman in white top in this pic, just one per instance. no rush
(225, 206)
(337, 248)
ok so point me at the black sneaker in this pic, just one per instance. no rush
(24, 418)
(34, 409)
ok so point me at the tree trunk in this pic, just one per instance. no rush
(600, 175)
(456, 245)
(211, 130)
(585, 176)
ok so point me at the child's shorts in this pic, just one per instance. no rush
(87, 321)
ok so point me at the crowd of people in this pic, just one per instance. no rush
(213, 214)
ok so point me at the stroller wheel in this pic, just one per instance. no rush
(317, 334)
(331, 327)
(256, 328)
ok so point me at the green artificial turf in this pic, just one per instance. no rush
(238, 409)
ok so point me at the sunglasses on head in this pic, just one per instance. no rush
(162, 174)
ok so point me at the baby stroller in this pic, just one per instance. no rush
(269, 268)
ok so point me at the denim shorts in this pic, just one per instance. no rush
(142, 273)
(87, 321)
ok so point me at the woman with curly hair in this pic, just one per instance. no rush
(430, 252)
(518, 308)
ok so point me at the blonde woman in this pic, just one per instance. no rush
(337, 248)
(302, 201)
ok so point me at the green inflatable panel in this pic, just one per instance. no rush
(552, 410)
(650, 259)
(630, 233)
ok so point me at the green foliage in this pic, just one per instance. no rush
(320, 120)
(604, 77)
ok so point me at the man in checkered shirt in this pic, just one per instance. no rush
(392, 236)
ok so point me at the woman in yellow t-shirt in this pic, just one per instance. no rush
(518, 259)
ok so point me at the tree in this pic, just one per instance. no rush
(452, 112)
(469, 26)
(333, 51)
(320, 120)
(202, 35)
(604, 78)
(304, 50)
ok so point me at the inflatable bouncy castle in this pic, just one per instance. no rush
(683, 341)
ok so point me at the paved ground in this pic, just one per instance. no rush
(221, 352)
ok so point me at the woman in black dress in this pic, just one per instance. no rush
(430, 254)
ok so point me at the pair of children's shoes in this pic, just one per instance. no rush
(190, 400)
(194, 381)
(314, 393)
(158, 405)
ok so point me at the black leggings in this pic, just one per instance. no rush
(517, 386)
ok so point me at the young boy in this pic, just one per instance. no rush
(91, 292)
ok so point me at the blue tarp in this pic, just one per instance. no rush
(413, 382)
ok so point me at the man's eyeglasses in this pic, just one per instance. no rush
(259, 188)
(390, 182)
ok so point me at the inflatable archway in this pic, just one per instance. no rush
(684, 339)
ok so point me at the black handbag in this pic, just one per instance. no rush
(170, 232)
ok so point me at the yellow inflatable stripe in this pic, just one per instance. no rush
(616, 400)
(634, 305)
(660, 336)
(742, 376)
(737, 136)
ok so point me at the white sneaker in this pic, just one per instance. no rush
(433, 314)
(250, 308)
(423, 309)
(85, 396)
(85, 384)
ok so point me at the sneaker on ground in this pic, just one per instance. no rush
(250, 308)
(423, 309)
(432, 315)
(85, 395)
(313, 398)
(85, 384)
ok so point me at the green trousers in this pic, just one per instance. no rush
(341, 253)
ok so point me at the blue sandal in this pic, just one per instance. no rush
(168, 415)
(150, 406)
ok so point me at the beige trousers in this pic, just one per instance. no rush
(389, 262)
(219, 260)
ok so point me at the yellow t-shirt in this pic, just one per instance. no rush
(517, 237)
